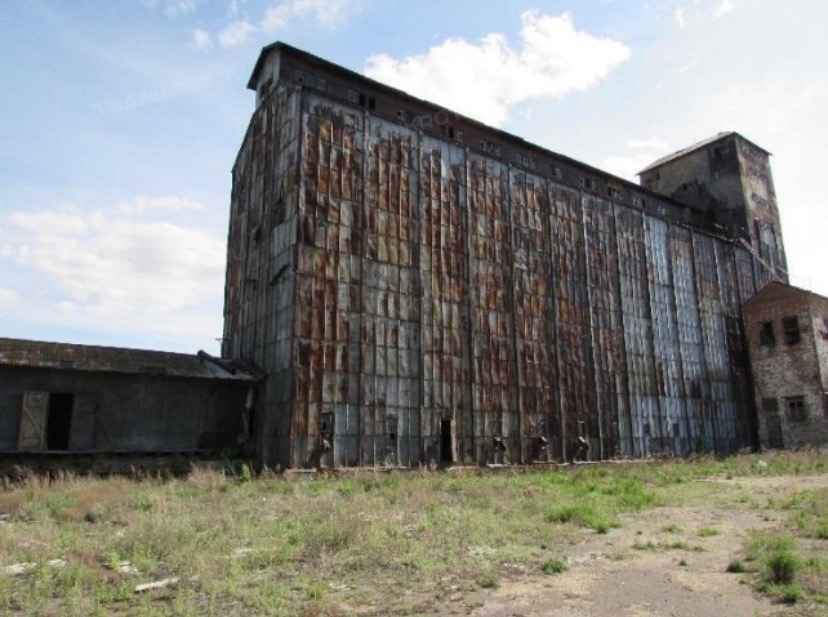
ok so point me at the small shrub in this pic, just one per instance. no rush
(245, 473)
(816, 565)
(792, 594)
(602, 526)
(487, 579)
(97, 512)
(707, 532)
(583, 514)
(315, 591)
(553, 566)
(736, 566)
(561, 514)
(762, 544)
(672, 528)
(782, 567)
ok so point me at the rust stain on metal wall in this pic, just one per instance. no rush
(416, 301)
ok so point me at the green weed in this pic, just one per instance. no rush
(264, 545)
(553, 566)
(781, 567)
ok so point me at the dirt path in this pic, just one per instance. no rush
(642, 569)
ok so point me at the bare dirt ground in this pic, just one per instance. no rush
(640, 569)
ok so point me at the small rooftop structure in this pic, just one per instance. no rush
(699, 145)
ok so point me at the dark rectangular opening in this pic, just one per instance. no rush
(796, 409)
(775, 439)
(326, 426)
(790, 325)
(766, 335)
(59, 420)
(445, 441)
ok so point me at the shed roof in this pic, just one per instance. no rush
(777, 290)
(68, 356)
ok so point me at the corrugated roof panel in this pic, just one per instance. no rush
(67, 356)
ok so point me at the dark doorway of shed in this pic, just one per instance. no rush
(59, 420)
(775, 431)
(445, 442)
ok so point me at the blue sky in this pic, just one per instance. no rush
(120, 121)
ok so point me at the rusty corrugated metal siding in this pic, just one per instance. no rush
(415, 301)
(260, 312)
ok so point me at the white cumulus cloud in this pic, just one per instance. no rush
(118, 262)
(724, 7)
(235, 33)
(485, 79)
(329, 13)
(176, 8)
(640, 154)
(171, 203)
(201, 39)
(282, 15)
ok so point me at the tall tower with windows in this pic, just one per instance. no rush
(728, 179)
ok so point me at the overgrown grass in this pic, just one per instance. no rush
(393, 541)
(809, 513)
(553, 566)
(784, 568)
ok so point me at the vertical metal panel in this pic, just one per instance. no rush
(670, 431)
(571, 313)
(727, 259)
(532, 299)
(607, 329)
(330, 288)
(744, 271)
(390, 308)
(259, 306)
(491, 327)
(644, 402)
(689, 335)
(720, 429)
(442, 249)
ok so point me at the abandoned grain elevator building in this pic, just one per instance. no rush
(419, 287)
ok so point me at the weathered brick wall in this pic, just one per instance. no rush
(783, 371)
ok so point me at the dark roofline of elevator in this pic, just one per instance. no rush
(500, 134)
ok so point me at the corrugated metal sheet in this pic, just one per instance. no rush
(66, 356)
(419, 301)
